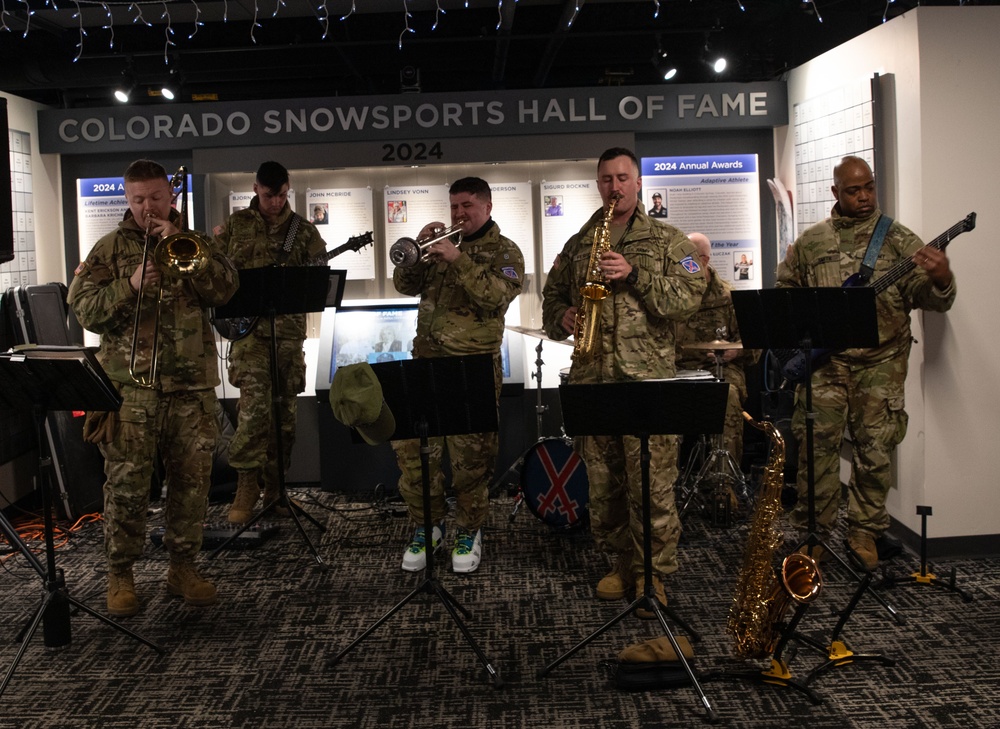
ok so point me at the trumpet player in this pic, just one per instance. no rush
(464, 294)
(174, 414)
(652, 278)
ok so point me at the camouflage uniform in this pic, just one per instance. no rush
(716, 319)
(860, 389)
(176, 418)
(636, 342)
(251, 243)
(462, 308)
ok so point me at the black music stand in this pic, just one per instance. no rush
(642, 409)
(430, 398)
(49, 378)
(269, 292)
(811, 320)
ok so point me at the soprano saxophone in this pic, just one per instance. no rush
(761, 600)
(595, 290)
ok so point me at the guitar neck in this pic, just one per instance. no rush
(906, 265)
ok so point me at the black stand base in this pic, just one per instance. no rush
(778, 675)
(431, 586)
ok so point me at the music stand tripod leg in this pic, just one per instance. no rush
(294, 510)
(429, 584)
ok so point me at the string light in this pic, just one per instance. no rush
(110, 26)
(168, 34)
(79, 45)
(438, 12)
(406, 21)
(349, 12)
(656, 10)
(255, 24)
(197, 23)
(742, 6)
(277, 6)
(818, 16)
(138, 16)
(27, 24)
(576, 11)
(885, 13)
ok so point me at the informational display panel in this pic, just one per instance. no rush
(240, 200)
(22, 269)
(512, 212)
(340, 214)
(827, 129)
(718, 195)
(409, 208)
(566, 205)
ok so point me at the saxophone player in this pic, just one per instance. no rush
(653, 279)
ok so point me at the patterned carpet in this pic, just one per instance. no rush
(259, 658)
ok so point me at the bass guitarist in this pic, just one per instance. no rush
(860, 389)
(266, 233)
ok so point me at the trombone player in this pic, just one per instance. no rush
(168, 396)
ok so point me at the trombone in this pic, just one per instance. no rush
(407, 252)
(182, 255)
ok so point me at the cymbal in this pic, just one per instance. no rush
(715, 345)
(537, 334)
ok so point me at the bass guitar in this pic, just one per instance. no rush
(239, 327)
(794, 369)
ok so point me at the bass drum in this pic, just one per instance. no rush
(554, 483)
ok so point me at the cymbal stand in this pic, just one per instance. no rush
(718, 474)
(518, 463)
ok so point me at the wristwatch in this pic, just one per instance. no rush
(633, 277)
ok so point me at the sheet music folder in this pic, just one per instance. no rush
(60, 377)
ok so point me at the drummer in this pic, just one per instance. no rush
(715, 321)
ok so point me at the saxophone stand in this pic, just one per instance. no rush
(837, 652)
(642, 409)
(719, 475)
(812, 320)
(45, 378)
(430, 398)
(269, 292)
(923, 577)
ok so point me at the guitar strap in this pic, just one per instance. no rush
(874, 246)
(293, 229)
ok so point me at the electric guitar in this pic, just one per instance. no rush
(239, 327)
(794, 369)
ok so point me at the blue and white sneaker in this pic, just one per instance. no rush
(415, 556)
(468, 551)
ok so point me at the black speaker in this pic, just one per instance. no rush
(6, 203)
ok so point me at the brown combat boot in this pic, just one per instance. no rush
(658, 593)
(863, 544)
(616, 584)
(271, 494)
(122, 601)
(184, 581)
(247, 493)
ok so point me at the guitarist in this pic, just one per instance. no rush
(860, 389)
(266, 233)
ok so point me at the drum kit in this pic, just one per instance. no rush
(711, 479)
(553, 478)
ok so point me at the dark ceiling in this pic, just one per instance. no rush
(309, 48)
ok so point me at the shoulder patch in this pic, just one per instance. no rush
(510, 272)
(690, 265)
(79, 269)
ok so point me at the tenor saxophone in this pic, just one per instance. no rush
(595, 290)
(761, 600)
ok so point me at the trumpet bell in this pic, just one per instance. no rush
(405, 252)
(182, 255)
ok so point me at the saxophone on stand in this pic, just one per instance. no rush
(595, 290)
(761, 599)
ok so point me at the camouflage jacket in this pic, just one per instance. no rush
(104, 303)
(637, 322)
(462, 305)
(715, 319)
(828, 253)
(251, 243)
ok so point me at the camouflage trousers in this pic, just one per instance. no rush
(616, 520)
(473, 459)
(254, 445)
(869, 404)
(732, 428)
(182, 428)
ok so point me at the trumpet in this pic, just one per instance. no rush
(182, 255)
(407, 252)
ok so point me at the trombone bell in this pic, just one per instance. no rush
(407, 252)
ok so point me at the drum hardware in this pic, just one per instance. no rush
(552, 476)
(719, 485)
